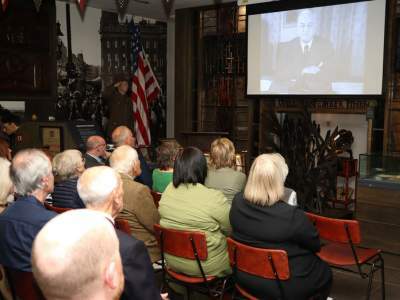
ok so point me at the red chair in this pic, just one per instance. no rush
(265, 263)
(156, 197)
(56, 209)
(123, 225)
(341, 251)
(23, 285)
(190, 245)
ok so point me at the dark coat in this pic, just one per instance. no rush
(285, 227)
(145, 177)
(290, 77)
(66, 195)
(19, 225)
(120, 110)
(138, 271)
(91, 162)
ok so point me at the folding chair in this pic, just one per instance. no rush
(56, 209)
(123, 225)
(266, 263)
(156, 197)
(341, 251)
(190, 245)
(23, 285)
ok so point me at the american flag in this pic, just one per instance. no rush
(145, 89)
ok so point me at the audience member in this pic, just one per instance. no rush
(5, 150)
(6, 186)
(33, 180)
(101, 190)
(96, 154)
(122, 135)
(11, 127)
(162, 176)
(75, 256)
(139, 208)
(221, 173)
(260, 218)
(187, 204)
(67, 167)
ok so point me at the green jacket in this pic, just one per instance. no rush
(198, 208)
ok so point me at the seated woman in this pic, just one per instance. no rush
(188, 205)
(67, 167)
(221, 173)
(6, 185)
(260, 218)
(162, 176)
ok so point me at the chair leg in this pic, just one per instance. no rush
(382, 277)
(370, 277)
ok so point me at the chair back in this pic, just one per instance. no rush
(266, 263)
(156, 197)
(336, 230)
(182, 243)
(56, 209)
(123, 225)
(23, 285)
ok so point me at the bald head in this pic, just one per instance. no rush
(100, 188)
(122, 135)
(96, 146)
(76, 256)
(306, 25)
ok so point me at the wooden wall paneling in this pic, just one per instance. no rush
(184, 40)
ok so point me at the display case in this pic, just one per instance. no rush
(381, 171)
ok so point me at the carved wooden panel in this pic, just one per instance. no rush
(27, 61)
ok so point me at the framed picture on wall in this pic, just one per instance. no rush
(52, 139)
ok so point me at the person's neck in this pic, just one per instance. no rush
(40, 195)
(93, 153)
(106, 209)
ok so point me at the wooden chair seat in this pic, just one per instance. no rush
(341, 254)
(189, 279)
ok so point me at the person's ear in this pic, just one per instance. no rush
(111, 275)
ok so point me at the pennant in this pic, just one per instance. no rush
(82, 5)
(122, 5)
(4, 4)
(168, 4)
(38, 3)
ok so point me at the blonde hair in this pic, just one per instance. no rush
(5, 180)
(265, 184)
(66, 164)
(222, 154)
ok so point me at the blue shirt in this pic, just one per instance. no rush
(19, 225)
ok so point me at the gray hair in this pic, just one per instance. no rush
(123, 159)
(93, 141)
(5, 180)
(96, 185)
(28, 168)
(119, 135)
(66, 163)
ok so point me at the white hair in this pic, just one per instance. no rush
(123, 159)
(5, 180)
(28, 168)
(66, 163)
(70, 253)
(96, 185)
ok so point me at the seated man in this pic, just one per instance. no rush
(122, 135)
(139, 208)
(101, 189)
(33, 179)
(96, 154)
(75, 256)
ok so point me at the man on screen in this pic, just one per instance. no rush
(304, 62)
